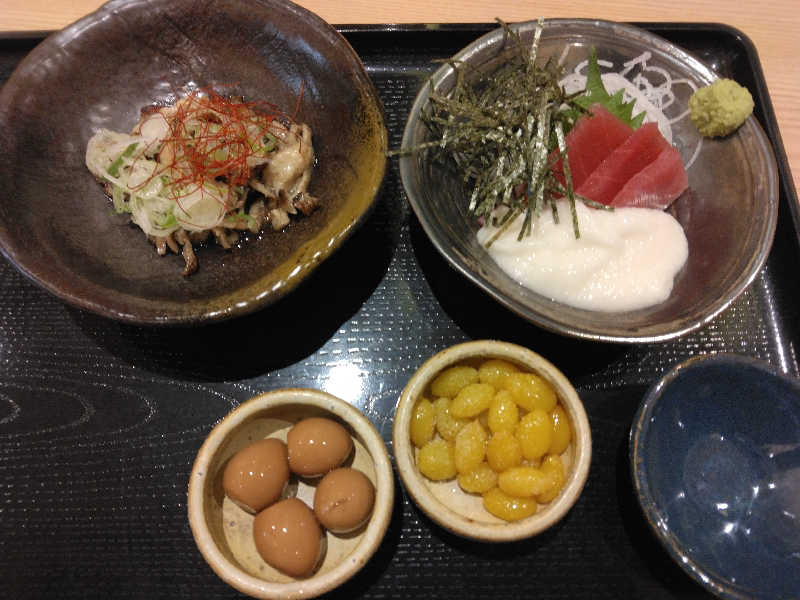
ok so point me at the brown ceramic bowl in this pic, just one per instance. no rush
(444, 501)
(56, 224)
(223, 531)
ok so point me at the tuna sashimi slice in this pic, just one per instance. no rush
(633, 155)
(591, 140)
(657, 185)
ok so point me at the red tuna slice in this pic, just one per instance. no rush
(657, 185)
(591, 140)
(633, 155)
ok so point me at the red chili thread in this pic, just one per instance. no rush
(218, 148)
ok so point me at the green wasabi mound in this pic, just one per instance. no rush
(720, 108)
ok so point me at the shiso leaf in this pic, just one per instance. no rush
(596, 93)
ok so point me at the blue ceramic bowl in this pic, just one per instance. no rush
(715, 459)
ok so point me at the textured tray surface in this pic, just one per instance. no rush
(100, 422)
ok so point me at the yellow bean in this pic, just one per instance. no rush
(435, 460)
(531, 462)
(471, 400)
(479, 480)
(553, 469)
(531, 391)
(503, 412)
(470, 447)
(495, 371)
(450, 381)
(503, 451)
(507, 507)
(447, 426)
(423, 423)
(535, 433)
(524, 482)
(562, 432)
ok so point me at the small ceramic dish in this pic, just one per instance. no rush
(58, 227)
(444, 501)
(727, 248)
(223, 531)
(715, 460)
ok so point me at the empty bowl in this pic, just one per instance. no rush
(715, 459)
(224, 532)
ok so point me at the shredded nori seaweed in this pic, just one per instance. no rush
(501, 132)
(497, 130)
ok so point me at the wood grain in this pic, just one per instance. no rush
(772, 25)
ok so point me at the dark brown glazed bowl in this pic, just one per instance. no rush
(56, 224)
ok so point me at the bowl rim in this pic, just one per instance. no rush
(611, 333)
(444, 515)
(709, 579)
(373, 534)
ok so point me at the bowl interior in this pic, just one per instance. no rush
(227, 529)
(56, 224)
(729, 213)
(444, 501)
(715, 454)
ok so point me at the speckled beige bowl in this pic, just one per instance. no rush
(444, 501)
(223, 531)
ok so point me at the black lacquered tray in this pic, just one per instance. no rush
(100, 421)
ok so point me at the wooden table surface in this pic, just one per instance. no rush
(772, 25)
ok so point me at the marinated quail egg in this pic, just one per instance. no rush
(343, 500)
(317, 445)
(288, 537)
(257, 475)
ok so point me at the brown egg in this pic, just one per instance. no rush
(317, 445)
(344, 499)
(288, 537)
(256, 476)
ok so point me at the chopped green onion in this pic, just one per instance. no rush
(118, 197)
(231, 220)
(270, 141)
(165, 220)
(113, 170)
